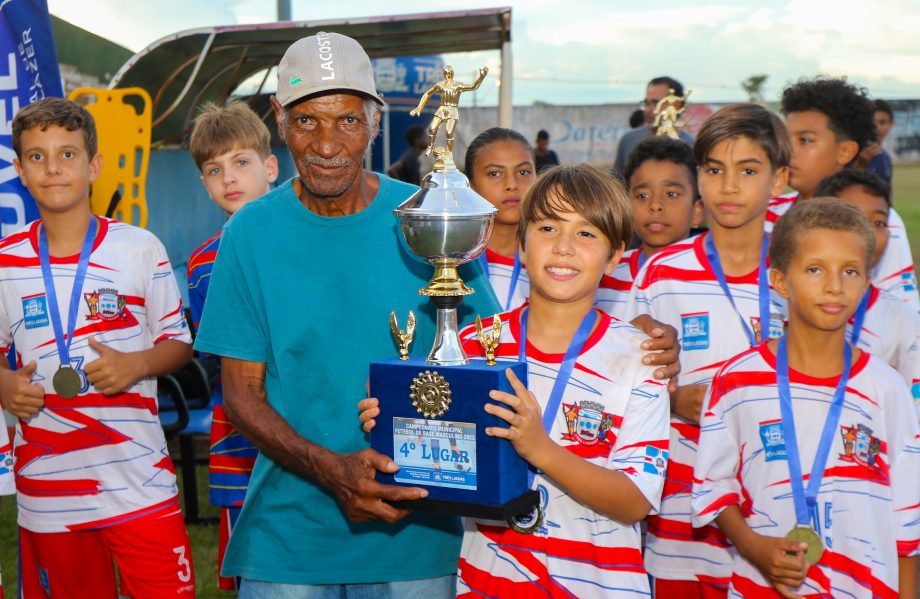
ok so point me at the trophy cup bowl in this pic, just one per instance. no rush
(446, 224)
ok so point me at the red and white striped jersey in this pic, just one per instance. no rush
(93, 460)
(867, 510)
(678, 287)
(7, 485)
(613, 414)
(891, 331)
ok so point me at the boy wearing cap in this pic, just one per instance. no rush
(295, 355)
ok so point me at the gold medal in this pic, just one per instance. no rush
(529, 522)
(66, 382)
(806, 534)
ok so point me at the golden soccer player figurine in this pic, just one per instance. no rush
(447, 113)
(667, 111)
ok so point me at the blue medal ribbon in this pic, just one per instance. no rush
(63, 343)
(804, 499)
(641, 259)
(565, 370)
(763, 288)
(860, 317)
(515, 274)
(484, 262)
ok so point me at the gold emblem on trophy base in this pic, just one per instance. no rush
(403, 338)
(489, 342)
(430, 394)
(667, 113)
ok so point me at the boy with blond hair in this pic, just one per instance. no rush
(230, 146)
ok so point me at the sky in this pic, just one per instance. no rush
(597, 52)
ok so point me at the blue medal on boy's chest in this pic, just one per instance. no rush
(66, 381)
(763, 289)
(529, 522)
(804, 499)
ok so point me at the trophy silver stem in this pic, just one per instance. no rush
(447, 350)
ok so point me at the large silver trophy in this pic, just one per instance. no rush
(432, 420)
(446, 223)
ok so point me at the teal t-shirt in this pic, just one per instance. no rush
(310, 297)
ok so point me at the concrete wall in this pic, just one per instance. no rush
(591, 133)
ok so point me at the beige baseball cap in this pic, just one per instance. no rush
(324, 62)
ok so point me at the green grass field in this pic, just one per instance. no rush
(204, 537)
(907, 202)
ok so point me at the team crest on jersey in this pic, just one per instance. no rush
(774, 443)
(656, 460)
(915, 389)
(860, 446)
(777, 326)
(105, 304)
(909, 280)
(695, 330)
(35, 311)
(587, 422)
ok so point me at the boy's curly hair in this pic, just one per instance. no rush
(848, 108)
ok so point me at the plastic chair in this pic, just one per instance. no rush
(174, 417)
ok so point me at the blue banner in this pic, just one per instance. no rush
(28, 72)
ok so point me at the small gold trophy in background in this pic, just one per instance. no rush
(667, 113)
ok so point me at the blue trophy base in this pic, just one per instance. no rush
(466, 472)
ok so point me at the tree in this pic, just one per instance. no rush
(753, 87)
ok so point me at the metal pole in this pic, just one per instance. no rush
(386, 137)
(505, 108)
(284, 10)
